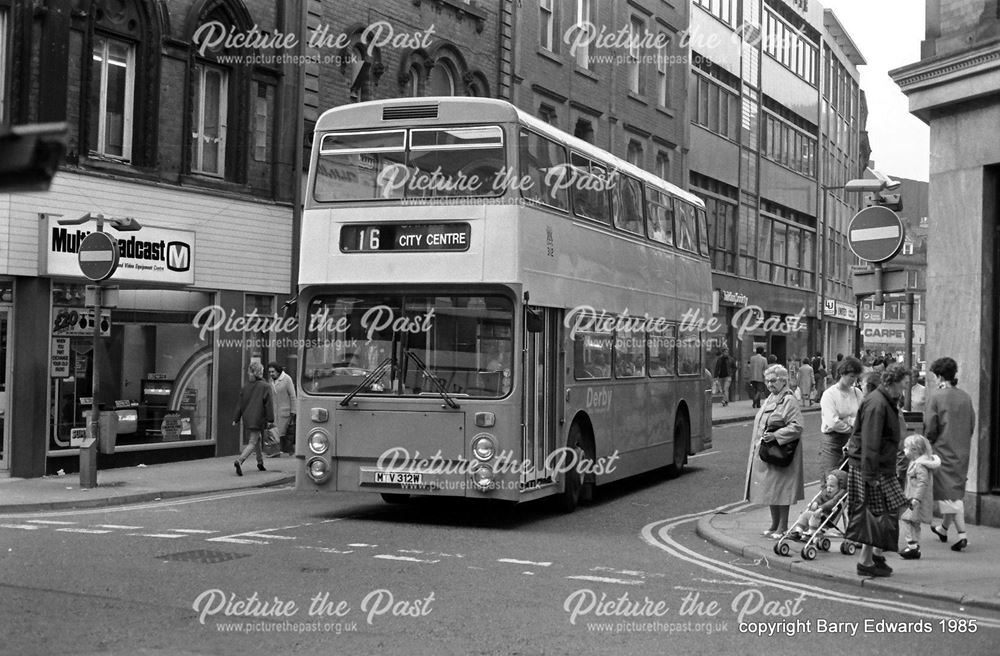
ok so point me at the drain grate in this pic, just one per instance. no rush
(204, 556)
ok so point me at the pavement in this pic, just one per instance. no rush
(969, 578)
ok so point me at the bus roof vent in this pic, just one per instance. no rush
(407, 112)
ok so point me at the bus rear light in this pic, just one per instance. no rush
(319, 415)
(319, 442)
(483, 447)
(319, 470)
(485, 419)
(482, 477)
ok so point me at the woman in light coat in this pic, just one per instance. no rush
(779, 418)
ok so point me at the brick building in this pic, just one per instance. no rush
(169, 123)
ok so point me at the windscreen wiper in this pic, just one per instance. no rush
(375, 374)
(437, 383)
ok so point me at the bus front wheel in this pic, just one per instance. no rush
(569, 499)
(682, 438)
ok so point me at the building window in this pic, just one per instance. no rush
(583, 22)
(662, 72)
(789, 47)
(208, 124)
(663, 165)
(721, 9)
(262, 123)
(546, 24)
(635, 77)
(112, 83)
(716, 106)
(413, 81)
(633, 154)
(441, 81)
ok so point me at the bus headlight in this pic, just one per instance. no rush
(319, 442)
(483, 447)
(319, 470)
(482, 477)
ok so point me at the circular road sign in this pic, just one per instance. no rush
(98, 256)
(875, 234)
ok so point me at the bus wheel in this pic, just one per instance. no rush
(395, 498)
(682, 438)
(570, 497)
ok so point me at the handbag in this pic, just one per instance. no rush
(778, 455)
(880, 531)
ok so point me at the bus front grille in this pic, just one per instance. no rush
(409, 112)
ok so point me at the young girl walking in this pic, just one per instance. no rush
(919, 492)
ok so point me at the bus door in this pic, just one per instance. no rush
(541, 402)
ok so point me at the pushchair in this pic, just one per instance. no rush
(833, 525)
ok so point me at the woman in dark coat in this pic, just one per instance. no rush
(949, 421)
(780, 419)
(871, 477)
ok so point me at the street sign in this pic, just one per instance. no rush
(875, 234)
(893, 281)
(98, 256)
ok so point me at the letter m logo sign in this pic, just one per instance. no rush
(178, 256)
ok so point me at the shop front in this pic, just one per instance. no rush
(6, 308)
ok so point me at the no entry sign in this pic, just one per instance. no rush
(98, 256)
(875, 234)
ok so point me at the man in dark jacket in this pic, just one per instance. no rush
(723, 373)
(256, 409)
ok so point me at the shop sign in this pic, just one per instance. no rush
(160, 255)
(76, 436)
(170, 427)
(891, 333)
(59, 364)
(78, 322)
(829, 307)
(847, 311)
(871, 315)
(733, 298)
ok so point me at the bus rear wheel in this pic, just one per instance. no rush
(572, 492)
(389, 497)
(682, 438)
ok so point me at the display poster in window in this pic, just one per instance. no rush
(171, 427)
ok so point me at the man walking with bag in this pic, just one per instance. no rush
(256, 409)
(283, 390)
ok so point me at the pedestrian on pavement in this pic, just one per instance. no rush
(256, 409)
(838, 410)
(919, 492)
(780, 419)
(949, 421)
(805, 381)
(723, 373)
(758, 363)
(283, 391)
(819, 373)
(871, 479)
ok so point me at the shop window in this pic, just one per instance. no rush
(208, 123)
(112, 84)
(156, 368)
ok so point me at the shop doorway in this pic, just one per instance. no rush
(4, 375)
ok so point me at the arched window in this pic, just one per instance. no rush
(122, 77)
(441, 81)
(413, 85)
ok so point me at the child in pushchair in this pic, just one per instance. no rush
(820, 507)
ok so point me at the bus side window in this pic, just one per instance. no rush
(659, 222)
(702, 232)
(588, 184)
(627, 193)
(592, 356)
(661, 344)
(543, 162)
(685, 226)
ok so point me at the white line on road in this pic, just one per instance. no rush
(606, 579)
(26, 527)
(657, 534)
(361, 544)
(95, 531)
(49, 521)
(159, 535)
(523, 562)
(120, 526)
(406, 558)
(704, 453)
(191, 530)
(328, 550)
(236, 540)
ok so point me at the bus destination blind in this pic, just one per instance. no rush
(408, 237)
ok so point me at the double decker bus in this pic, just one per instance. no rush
(492, 308)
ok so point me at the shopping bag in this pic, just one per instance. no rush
(271, 437)
(880, 531)
(777, 455)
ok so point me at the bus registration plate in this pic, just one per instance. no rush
(399, 478)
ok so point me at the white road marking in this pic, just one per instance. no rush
(259, 536)
(606, 579)
(657, 534)
(361, 544)
(523, 562)
(329, 550)
(627, 572)
(159, 535)
(50, 521)
(95, 531)
(26, 527)
(237, 540)
(704, 453)
(191, 530)
(406, 558)
(119, 526)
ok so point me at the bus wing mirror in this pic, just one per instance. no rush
(533, 320)
(290, 308)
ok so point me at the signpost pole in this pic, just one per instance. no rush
(909, 344)
(89, 478)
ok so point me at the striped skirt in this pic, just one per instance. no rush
(886, 498)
